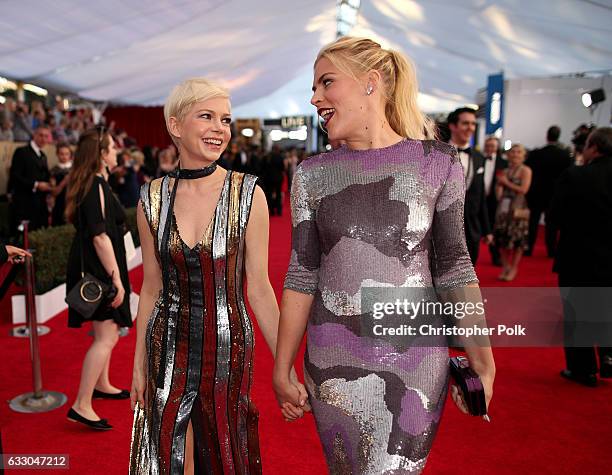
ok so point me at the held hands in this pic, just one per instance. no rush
(291, 396)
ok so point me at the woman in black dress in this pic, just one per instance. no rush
(99, 221)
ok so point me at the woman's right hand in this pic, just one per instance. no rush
(119, 296)
(288, 396)
(138, 387)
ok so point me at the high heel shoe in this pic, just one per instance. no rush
(102, 424)
(124, 394)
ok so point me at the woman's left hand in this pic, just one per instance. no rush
(459, 399)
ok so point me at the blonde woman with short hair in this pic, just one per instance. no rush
(202, 230)
(385, 209)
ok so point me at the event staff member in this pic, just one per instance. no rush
(462, 125)
(582, 212)
(29, 181)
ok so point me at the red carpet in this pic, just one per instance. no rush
(540, 423)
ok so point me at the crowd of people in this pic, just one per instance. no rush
(37, 191)
(509, 192)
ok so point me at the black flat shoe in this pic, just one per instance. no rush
(124, 394)
(589, 380)
(102, 424)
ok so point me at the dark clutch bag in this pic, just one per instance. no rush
(88, 294)
(469, 384)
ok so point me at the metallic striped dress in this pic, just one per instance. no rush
(199, 343)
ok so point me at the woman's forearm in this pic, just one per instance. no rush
(295, 309)
(481, 360)
(477, 348)
(106, 254)
(263, 302)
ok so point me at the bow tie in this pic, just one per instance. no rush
(467, 150)
(489, 158)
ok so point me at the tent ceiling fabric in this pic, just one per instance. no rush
(130, 51)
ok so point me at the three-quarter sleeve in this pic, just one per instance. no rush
(303, 273)
(451, 265)
(90, 212)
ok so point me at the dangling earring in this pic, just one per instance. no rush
(369, 90)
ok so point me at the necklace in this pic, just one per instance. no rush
(192, 174)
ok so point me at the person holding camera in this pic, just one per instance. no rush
(98, 250)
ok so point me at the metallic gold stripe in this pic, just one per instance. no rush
(236, 330)
(246, 198)
(223, 328)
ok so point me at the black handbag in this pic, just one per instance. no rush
(469, 384)
(89, 292)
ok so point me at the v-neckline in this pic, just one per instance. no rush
(210, 222)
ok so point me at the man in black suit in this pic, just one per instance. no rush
(582, 212)
(493, 164)
(462, 125)
(547, 164)
(29, 181)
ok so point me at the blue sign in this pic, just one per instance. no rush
(495, 102)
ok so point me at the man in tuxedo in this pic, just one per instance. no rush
(29, 181)
(582, 212)
(494, 163)
(462, 125)
(547, 164)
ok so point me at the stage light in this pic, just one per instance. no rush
(39, 91)
(593, 97)
(507, 144)
(248, 132)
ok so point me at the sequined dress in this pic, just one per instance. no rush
(382, 217)
(199, 344)
(510, 231)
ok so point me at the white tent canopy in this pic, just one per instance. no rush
(128, 51)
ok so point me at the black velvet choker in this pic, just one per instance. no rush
(187, 174)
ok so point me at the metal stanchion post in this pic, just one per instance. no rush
(23, 331)
(38, 400)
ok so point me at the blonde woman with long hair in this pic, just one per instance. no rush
(384, 209)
